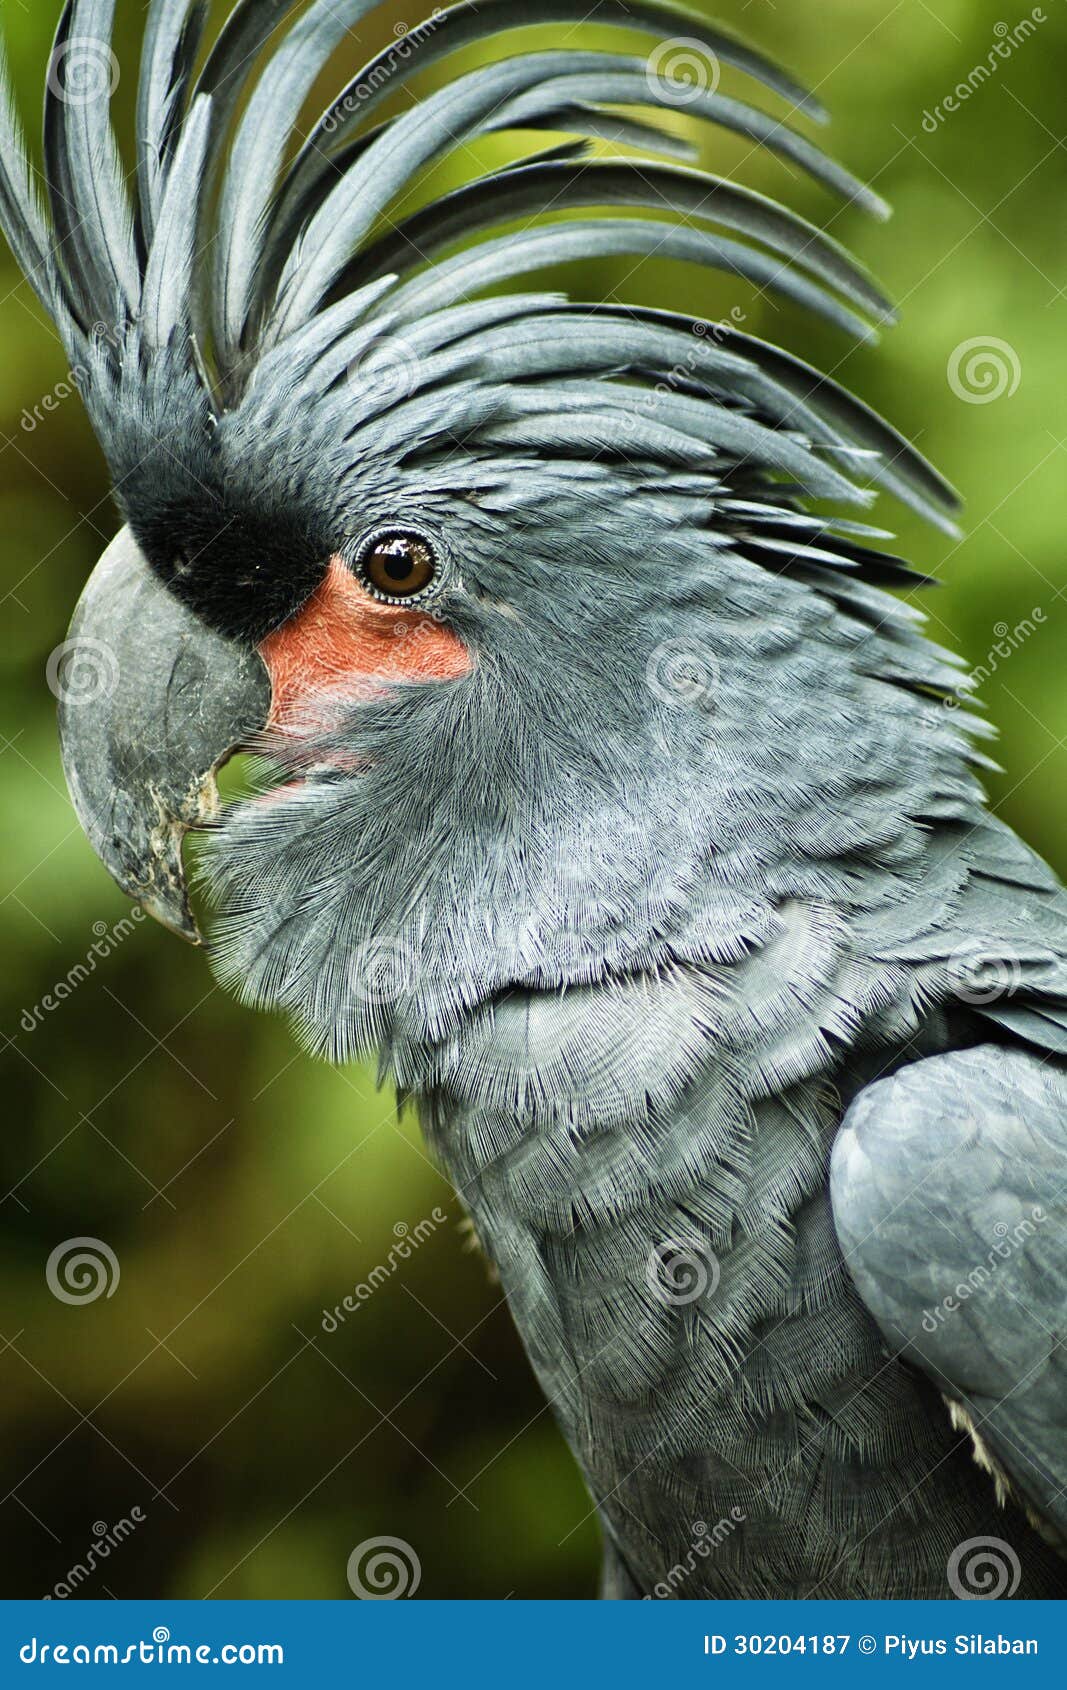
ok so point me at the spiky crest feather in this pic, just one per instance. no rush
(224, 244)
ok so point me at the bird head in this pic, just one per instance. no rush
(521, 598)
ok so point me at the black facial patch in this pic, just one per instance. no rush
(241, 563)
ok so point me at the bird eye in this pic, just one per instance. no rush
(397, 564)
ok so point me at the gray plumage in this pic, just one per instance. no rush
(950, 1198)
(693, 857)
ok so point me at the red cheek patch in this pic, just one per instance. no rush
(345, 645)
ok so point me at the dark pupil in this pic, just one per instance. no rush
(399, 564)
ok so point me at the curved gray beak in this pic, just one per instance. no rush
(151, 703)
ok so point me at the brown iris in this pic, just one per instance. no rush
(398, 564)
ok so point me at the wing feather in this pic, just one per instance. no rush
(949, 1185)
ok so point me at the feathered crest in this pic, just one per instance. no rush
(273, 274)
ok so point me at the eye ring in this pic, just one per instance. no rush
(399, 564)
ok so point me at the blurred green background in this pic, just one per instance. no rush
(244, 1189)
